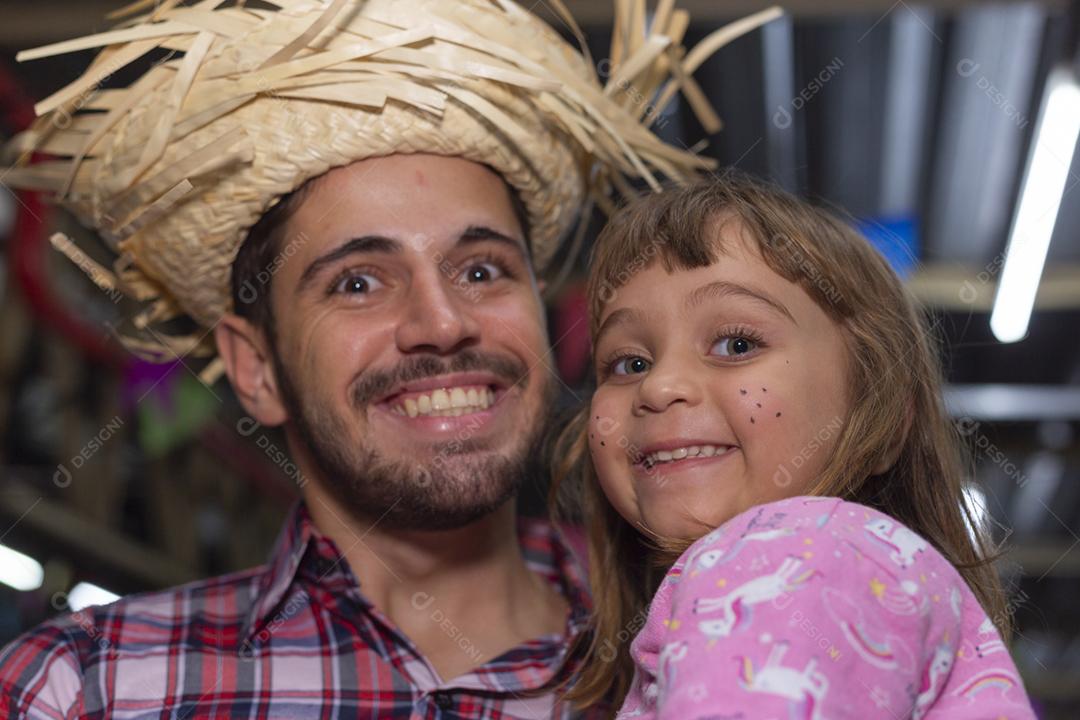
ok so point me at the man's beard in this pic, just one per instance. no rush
(460, 483)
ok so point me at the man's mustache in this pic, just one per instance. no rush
(376, 384)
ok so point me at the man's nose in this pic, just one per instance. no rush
(438, 317)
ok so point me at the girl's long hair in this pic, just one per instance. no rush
(895, 388)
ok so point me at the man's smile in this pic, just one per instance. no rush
(446, 403)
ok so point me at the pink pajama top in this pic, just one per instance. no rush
(818, 608)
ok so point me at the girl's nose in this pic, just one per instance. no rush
(667, 384)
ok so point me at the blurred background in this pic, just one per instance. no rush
(946, 130)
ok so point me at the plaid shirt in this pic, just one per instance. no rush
(294, 638)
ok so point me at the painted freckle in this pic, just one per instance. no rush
(751, 419)
(764, 390)
(777, 414)
(603, 444)
(758, 404)
(741, 391)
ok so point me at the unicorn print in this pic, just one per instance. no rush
(711, 558)
(933, 678)
(670, 655)
(774, 521)
(804, 689)
(990, 647)
(904, 543)
(819, 624)
(989, 640)
(735, 607)
(956, 602)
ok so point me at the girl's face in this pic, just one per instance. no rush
(719, 388)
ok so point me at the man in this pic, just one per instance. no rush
(350, 201)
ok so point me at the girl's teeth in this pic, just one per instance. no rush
(691, 451)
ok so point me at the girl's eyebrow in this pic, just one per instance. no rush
(725, 288)
(718, 288)
(620, 317)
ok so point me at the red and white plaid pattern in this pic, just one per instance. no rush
(294, 638)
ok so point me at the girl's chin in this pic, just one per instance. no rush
(682, 524)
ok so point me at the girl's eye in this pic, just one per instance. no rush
(481, 272)
(631, 365)
(733, 345)
(356, 283)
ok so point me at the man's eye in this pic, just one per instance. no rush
(357, 283)
(632, 365)
(481, 272)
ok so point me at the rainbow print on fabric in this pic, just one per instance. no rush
(986, 680)
(877, 653)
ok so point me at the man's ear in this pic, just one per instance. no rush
(889, 460)
(246, 354)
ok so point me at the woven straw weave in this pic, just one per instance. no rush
(174, 169)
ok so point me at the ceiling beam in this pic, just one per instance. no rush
(67, 533)
(48, 21)
(966, 289)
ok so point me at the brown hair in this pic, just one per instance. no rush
(895, 386)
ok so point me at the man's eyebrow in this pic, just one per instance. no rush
(480, 233)
(724, 288)
(620, 317)
(365, 244)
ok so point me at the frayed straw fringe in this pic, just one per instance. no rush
(174, 169)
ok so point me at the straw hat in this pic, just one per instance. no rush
(174, 169)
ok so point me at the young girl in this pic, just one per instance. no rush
(768, 411)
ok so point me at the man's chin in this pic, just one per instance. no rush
(447, 492)
(433, 453)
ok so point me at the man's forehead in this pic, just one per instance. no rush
(416, 169)
(418, 201)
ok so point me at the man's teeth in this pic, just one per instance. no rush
(663, 456)
(447, 402)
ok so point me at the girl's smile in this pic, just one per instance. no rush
(679, 453)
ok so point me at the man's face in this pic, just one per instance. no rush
(410, 340)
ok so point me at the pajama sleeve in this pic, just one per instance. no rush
(820, 608)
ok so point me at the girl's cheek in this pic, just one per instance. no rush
(615, 482)
(603, 430)
(758, 411)
(607, 447)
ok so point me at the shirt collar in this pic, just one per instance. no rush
(547, 553)
(280, 571)
(544, 549)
